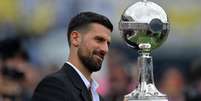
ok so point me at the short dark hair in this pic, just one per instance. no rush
(83, 19)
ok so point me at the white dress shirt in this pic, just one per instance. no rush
(94, 84)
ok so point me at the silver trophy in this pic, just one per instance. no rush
(144, 27)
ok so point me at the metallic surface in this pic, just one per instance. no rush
(144, 26)
(139, 30)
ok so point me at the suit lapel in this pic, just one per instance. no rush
(85, 95)
(101, 98)
(76, 80)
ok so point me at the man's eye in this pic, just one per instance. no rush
(99, 39)
(108, 43)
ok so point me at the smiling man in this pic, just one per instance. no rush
(89, 39)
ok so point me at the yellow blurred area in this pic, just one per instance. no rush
(8, 11)
(43, 17)
(185, 18)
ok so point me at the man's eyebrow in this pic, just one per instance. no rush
(100, 38)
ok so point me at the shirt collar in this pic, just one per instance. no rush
(94, 83)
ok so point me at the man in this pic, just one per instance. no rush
(89, 39)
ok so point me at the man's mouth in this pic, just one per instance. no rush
(100, 57)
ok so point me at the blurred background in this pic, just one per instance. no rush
(33, 44)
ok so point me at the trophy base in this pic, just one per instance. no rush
(147, 99)
(146, 93)
(150, 100)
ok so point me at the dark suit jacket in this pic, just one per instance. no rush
(64, 85)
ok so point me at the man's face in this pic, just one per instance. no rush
(94, 46)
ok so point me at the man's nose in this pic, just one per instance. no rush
(104, 48)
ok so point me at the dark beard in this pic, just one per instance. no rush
(89, 61)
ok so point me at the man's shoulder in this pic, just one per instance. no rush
(55, 81)
(53, 87)
(59, 76)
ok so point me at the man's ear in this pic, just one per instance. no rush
(75, 38)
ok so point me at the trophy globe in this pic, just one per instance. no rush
(144, 26)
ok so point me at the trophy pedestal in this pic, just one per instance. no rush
(146, 90)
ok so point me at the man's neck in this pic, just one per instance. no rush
(77, 63)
